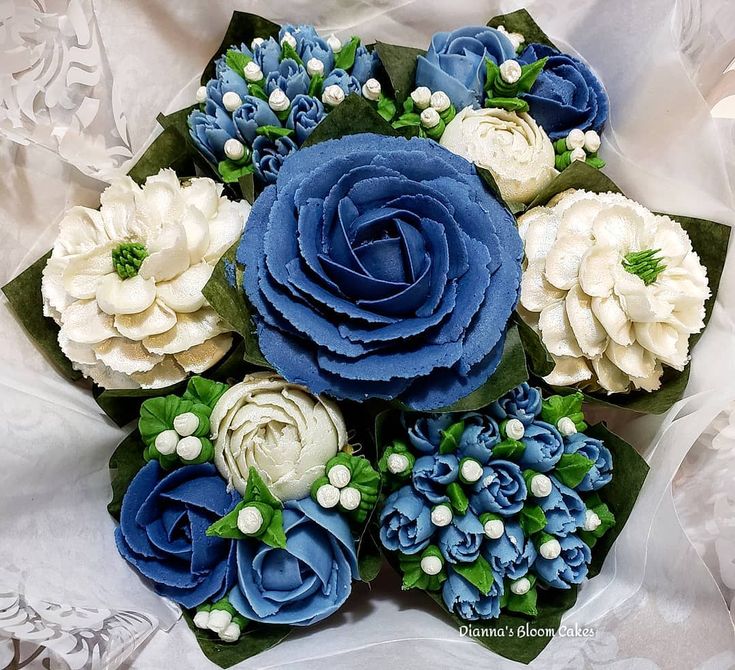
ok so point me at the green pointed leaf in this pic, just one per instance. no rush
(511, 104)
(571, 469)
(532, 519)
(521, 22)
(510, 450)
(525, 604)
(386, 108)
(257, 490)
(451, 437)
(231, 171)
(409, 120)
(400, 65)
(457, 498)
(274, 535)
(287, 51)
(530, 73)
(274, 132)
(369, 558)
(316, 85)
(258, 91)
(345, 59)
(556, 407)
(204, 391)
(478, 573)
(236, 60)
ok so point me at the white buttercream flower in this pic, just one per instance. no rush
(125, 282)
(511, 146)
(614, 290)
(283, 431)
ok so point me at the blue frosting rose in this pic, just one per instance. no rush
(306, 113)
(305, 582)
(480, 435)
(512, 554)
(425, 435)
(251, 115)
(543, 447)
(405, 522)
(210, 132)
(345, 81)
(566, 95)
(162, 532)
(309, 45)
(564, 509)
(500, 490)
(600, 474)
(432, 474)
(290, 77)
(269, 155)
(268, 55)
(522, 403)
(381, 267)
(460, 541)
(570, 567)
(455, 63)
(466, 601)
(366, 64)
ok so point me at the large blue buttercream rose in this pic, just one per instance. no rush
(381, 267)
(566, 95)
(305, 582)
(162, 532)
(455, 63)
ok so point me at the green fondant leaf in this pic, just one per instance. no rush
(525, 604)
(345, 59)
(530, 74)
(287, 51)
(571, 469)
(532, 519)
(457, 498)
(386, 108)
(478, 573)
(556, 407)
(236, 60)
(274, 131)
(509, 449)
(511, 104)
(451, 437)
(231, 171)
(204, 391)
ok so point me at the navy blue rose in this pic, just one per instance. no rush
(345, 81)
(512, 554)
(210, 132)
(564, 509)
(522, 403)
(425, 435)
(455, 63)
(570, 567)
(366, 64)
(566, 95)
(405, 522)
(500, 490)
(251, 115)
(381, 267)
(307, 580)
(432, 474)
(480, 435)
(600, 474)
(290, 77)
(466, 601)
(306, 113)
(460, 541)
(269, 155)
(543, 447)
(162, 533)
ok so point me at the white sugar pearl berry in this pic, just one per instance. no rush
(289, 39)
(249, 520)
(514, 429)
(350, 498)
(278, 101)
(371, 90)
(166, 442)
(397, 463)
(440, 101)
(575, 139)
(339, 475)
(421, 97)
(187, 423)
(431, 565)
(566, 426)
(521, 586)
(578, 155)
(201, 619)
(494, 528)
(591, 521)
(231, 101)
(234, 149)
(189, 448)
(314, 67)
(510, 71)
(231, 633)
(550, 549)
(253, 72)
(592, 142)
(219, 620)
(327, 496)
(540, 486)
(471, 470)
(430, 118)
(333, 95)
(441, 515)
(334, 43)
(201, 95)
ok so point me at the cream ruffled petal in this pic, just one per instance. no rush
(611, 378)
(226, 229)
(117, 206)
(84, 322)
(633, 360)
(661, 339)
(184, 294)
(77, 352)
(596, 271)
(204, 194)
(651, 382)
(568, 371)
(540, 226)
(125, 356)
(196, 228)
(563, 261)
(166, 373)
(55, 297)
(556, 331)
(621, 227)
(588, 331)
(83, 273)
(576, 211)
(169, 255)
(80, 231)
(160, 203)
(189, 331)
(613, 319)
(107, 378)
(202, 357)
(125, 296)
(536, 292)
(157, 319)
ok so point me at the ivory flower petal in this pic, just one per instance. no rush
(189, 331)
(203, 356)
(157, 319)
(632, 288)
(82, 273)
(125, 296)
(184, 293)
(125, 356)
(83, 321)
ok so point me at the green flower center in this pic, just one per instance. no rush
(127, 258)
(645, 264)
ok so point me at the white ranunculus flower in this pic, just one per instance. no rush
(511, 146)
(125, 282)
(614, 290)
(283, 431)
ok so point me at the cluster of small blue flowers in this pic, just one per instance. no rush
(488, 506)
(269, 96)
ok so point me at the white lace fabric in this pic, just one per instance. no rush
(81, 82)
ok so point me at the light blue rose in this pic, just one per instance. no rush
(600, 474)
(366, 64)
(564, 509)
(512, 554)
(460, 541)
(251, 115)
(345, 81)
(480, 435)
(405, 522)
(290, 77)
(268, 56)
(305, 582)
(305, 115)
(500, 490)
(466, 601)
(543, 447)
(210, 132)
(522, 403)
(309, 45)
(570, 567)
(432, 474)
(269, 155)
(425, 435)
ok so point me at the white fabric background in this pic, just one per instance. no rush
(106, 69)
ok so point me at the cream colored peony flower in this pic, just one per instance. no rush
(280, 429)
(125, 282)
(511, 146)
(614, 290)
